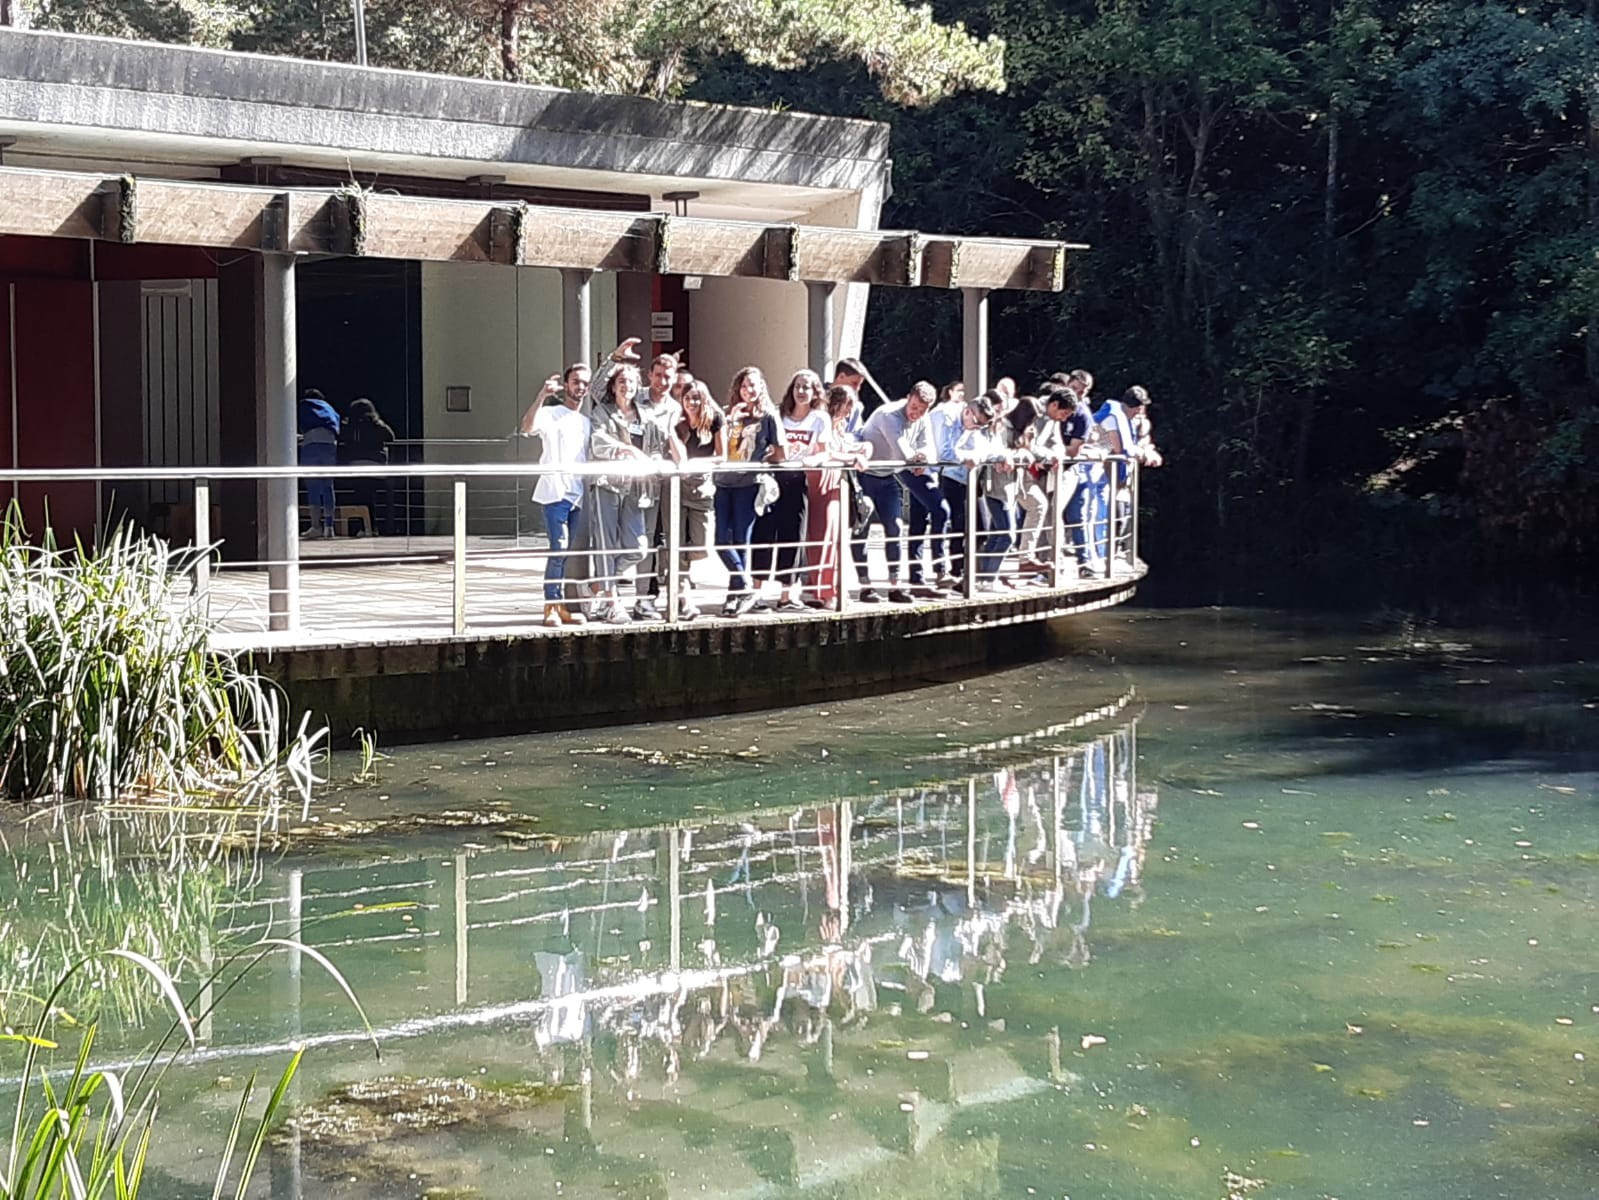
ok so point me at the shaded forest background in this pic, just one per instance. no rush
(1350, 246)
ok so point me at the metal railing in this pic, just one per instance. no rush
(1089, 530)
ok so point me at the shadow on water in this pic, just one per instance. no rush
(1381, 693)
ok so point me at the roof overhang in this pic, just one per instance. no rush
(88, 101)
(357, 222)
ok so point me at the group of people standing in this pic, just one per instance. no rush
(912, 462)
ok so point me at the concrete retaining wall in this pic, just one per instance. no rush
(428, 690)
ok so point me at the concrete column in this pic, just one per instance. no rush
(280, 397)
(577, 339)
(974, 340)
(820, 336)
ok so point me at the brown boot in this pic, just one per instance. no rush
(569, 617)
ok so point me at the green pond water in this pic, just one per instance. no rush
(1217, 903)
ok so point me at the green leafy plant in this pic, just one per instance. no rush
(367, 744)
(111, 688)
(89, 1135)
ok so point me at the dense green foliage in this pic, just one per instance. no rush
(110, 689)
(1348, 244)
(653, 47)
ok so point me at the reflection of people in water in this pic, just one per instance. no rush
(899, 911)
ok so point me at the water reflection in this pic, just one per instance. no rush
(737, 964)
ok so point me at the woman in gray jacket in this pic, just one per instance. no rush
(624, 503)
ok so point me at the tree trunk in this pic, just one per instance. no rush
(1329, 195)
(509, 59)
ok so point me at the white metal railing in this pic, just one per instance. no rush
(1098, 541)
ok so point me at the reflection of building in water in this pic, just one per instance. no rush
(865, 942)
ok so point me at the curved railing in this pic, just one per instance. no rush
(470, 569)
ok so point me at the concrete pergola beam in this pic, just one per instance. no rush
(356, 222)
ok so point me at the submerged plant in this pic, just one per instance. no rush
(111, 689)
(88, 1133)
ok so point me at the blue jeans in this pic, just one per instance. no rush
(319, 492)
(929, 519)
(997, 520)
(735, 524)
(955, 496)
(889, 508)
(1085, 517)
(559, 518)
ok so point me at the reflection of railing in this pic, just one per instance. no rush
(1088, 534)
(1024, 842)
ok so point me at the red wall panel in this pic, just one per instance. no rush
(49, 258)
(54, 322)
(6, 491)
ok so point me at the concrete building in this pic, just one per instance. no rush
(145, 353)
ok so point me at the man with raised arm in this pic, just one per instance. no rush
(563, 432)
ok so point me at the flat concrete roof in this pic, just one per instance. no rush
(89, 98)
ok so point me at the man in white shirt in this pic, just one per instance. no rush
(564, 432)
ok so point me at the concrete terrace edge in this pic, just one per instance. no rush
(478, 685)
(189, 92)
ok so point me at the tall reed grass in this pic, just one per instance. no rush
(111, 688)
(87, 1133)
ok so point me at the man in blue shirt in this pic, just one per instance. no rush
(319, 447)
(1119, 423)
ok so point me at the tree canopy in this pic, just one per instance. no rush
(1352, 246)
(650, 47)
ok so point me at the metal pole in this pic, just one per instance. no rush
(841, 537)
(461, 939)
(674, 546)
(1112, 487)
(674, 891)
(202, 538)
(971, 841)
(282, 439)
(1057, 520)
(458, 559)
(819, 326)
(974, 481)
(577, 339)
(974, 340)
(846, 863)
(1132, 545)
(360, 33)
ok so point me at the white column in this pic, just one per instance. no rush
(974, 340)
(820, 337)
(282, 448)
(577, 341)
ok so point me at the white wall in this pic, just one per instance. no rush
(496, 330)
(734, 323)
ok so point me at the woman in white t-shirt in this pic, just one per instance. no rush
(804, 431)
